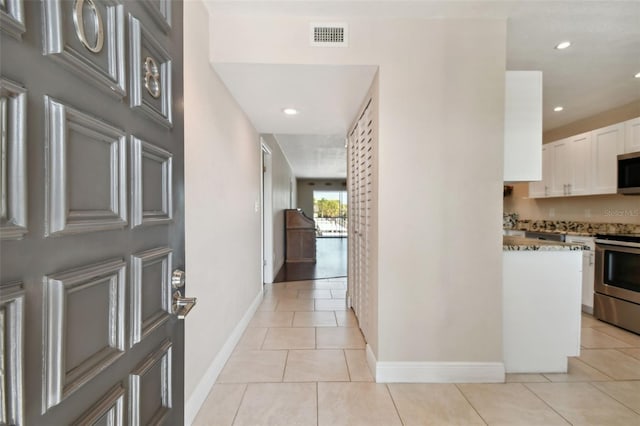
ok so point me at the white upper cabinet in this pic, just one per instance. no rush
(606, 144)
(632, 136)
(561, 174)
(579, 165)
(542, 188)
(586, 164)
(523, 126)
(571, 166)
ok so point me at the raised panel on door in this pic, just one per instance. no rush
(607, 143)
(85, 282)
(632, 136)
(540, 189)
(580, 165)
(561, 168)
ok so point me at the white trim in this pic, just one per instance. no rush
(440, 372)
(199, 395)
(434, 372)
(267, 214)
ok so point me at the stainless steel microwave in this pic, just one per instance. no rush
(629, 174)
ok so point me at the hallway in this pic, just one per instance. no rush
(302, 361)
(331, 262)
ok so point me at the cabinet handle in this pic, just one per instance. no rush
(569, 189)
(590, 259)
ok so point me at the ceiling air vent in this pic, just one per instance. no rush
(329, 35)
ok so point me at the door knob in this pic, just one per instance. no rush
(181, 306)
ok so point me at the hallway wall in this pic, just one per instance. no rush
(440, 138)
(283, 197)
(223, 223)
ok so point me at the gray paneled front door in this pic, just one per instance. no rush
(92, 223)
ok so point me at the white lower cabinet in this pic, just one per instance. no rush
(541, 310)
(588, 270)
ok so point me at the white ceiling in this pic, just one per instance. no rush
(594, 75)
(315, 156)
(327, 97)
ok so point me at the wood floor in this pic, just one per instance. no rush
(331, 255)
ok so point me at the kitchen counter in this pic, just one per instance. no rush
(567, 227)
(542, 295)
(513, 243)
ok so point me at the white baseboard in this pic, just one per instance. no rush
(435, 372)
(440, 372)
(194, 403)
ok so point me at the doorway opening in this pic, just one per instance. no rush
(267, 216)
(330, 212)
(328, 207)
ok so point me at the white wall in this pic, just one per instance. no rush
(441, 111)
(283, 190)
(223, 228)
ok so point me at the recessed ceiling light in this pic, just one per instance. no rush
(637, 75)
(563, 45)
(558, 109)
(290, 111)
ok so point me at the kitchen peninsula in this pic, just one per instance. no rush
(542, 285)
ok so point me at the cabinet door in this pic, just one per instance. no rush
(606, 144)
(579, 164)
(522, 125)
(561, 153)
(540, 189)
(632, 136)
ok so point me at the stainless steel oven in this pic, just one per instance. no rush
(617, 281)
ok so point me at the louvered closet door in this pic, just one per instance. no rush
(361, 184)
(92, 224)
(353, 234)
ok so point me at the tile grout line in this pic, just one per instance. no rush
(344, 353)
(545, 403)
(461, 392)
(613, 397)
(284, 370)
(393, 401)
(235, 416)
(317, 405)
(612, 379)
(264, 339)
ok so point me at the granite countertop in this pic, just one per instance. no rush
(587, 229)
(511, 243)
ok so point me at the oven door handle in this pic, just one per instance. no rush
(618, 243)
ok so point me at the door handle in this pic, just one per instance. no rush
(180, 306)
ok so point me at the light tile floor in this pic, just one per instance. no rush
(302, 361)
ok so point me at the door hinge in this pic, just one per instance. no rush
(264, 169)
